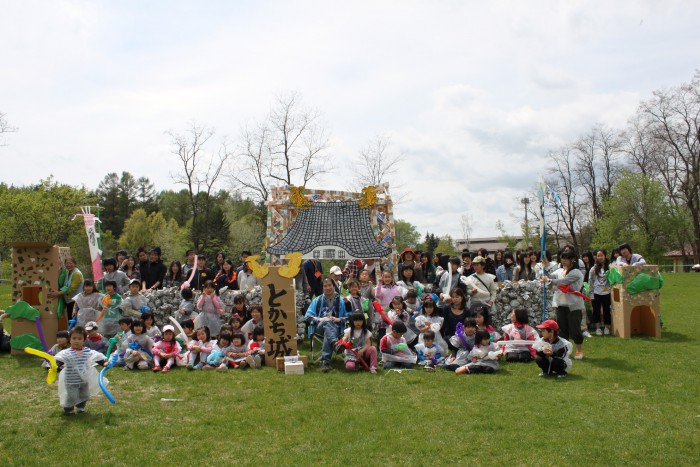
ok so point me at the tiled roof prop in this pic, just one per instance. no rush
(342, 224)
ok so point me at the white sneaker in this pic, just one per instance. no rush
(599, 332)
(586, 334)
(221, 368)
(607, 331)
(250, 361)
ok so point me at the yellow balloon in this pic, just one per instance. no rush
(53, 371)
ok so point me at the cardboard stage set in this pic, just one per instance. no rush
(323, 225)
(636, 312)
(35, 271)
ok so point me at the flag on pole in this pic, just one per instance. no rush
(89, 220)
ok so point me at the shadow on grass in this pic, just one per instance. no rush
(93, 418)
(667, 337)
(670, 338)
(611, 363)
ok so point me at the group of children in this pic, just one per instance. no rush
(475, 347)
(409, 333)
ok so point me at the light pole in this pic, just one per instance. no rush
(525, 202)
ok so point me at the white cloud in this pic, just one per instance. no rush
(474, 93)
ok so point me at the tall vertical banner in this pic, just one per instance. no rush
(279, 316)
(92, 236)
(543, 239)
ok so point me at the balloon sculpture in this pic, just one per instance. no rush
(53, 370)
(101, 382)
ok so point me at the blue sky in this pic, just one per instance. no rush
(474, 93)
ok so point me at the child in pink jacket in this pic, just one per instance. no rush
(199, 349)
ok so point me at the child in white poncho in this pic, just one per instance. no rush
(78, 380)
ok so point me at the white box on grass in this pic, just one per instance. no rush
(293, 368)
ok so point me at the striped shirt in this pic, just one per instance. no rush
(76, 364)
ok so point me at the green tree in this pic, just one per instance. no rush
(509, 240)
(175, 205)
(639, 212)
(136, 231)
(446, 246)
(430, 243)
(406, 234)
(119, 196)
(153, 229)
(248, 225)
(41, 213)
(145, 194)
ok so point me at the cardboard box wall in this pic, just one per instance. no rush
(635, 314)
(35, 270)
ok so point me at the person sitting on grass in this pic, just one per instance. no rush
(397, 312)
(152, 330)
(95, 340)
(395, 345)
(463, 342)
(183, 339)
(429, 355)
(519, 330)
(139, 351)
(61, 344)
(166, 350)
(552, 351)
(257, 346)
(218, 357)
(199, 349)
(483, 357)
(239, 353)
(361, 339)
(430, 319)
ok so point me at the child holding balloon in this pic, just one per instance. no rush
(78, 380)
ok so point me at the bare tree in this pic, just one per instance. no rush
(5, 127)
(610, 150)
(375, 163)
(290, 147)
(298, 142)
(584, 168)
(200, 171)
(573, 208)
(640, 147)
(253, 163)
(596, 164)
(672, 116)
(466, 222)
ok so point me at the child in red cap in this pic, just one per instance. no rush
(552, 351)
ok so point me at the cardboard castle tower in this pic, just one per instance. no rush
(35, 270)
(635, 314)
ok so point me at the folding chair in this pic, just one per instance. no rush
(316, 341)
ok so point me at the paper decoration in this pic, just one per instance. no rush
(329, 228)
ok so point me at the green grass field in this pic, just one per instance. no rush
(629, 402)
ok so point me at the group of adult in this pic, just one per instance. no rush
(151, 272)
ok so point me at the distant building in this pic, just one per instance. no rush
(677, 257)
(492, 244)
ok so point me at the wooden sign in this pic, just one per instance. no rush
(279, 316)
